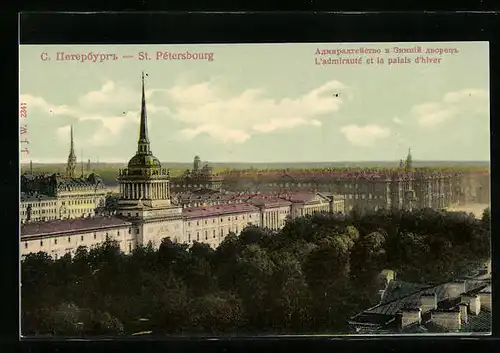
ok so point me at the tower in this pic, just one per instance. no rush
(71, 164)
(144, 184)
(196, 164)
(408, 163)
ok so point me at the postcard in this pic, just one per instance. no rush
(255, 189)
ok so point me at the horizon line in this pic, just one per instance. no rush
(280, 162)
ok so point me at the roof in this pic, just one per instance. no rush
(211, 211)
(399, 289)
(71, 225)
(269, 202)
(392, 307)
(475, 323)
(301, 197)
(32, 197)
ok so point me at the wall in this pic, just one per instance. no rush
(155, 231)
(212, 230)
(58, 245)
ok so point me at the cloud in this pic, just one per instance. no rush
(207, 109)
(41, 104)
(113, 107)
(453, 104)
(364, 136)
(396, 120)
(200, 109)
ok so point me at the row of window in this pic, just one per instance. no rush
(43, 204)
(81, 238)
(71, 251)
(213, 234)
(191, 186)
(80, 202)
(222, 220)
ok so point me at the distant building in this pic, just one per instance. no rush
(400, 188)
(199, 178)
(49, 197)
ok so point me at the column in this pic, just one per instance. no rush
(148, 195)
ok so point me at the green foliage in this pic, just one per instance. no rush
(310, 277)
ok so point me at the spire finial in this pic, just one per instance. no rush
(143, 145)
(71, 137)
(70, 167)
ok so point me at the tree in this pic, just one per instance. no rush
(216, 313)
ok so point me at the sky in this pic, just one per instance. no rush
(258, 103)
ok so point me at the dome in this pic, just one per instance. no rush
(144, 161)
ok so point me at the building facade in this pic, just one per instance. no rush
(402, 187)
(49, 197)
(60, 197)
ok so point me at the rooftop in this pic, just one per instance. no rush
(211, 211)
(268, 202)
(70, 225)
(34, 196)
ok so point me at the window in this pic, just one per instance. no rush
(81, 238)
(95, 235)
(118, 233)
(236, 218)
(189, 224)
(198, 236)
(26, 245)
(137, 214)
(129, 230)
(228, 218)
(221, 220)
(213, 220)
(189, 237)
(129, 247)
(222, 232)
(69, 239)
(55, 241)
(214, 233)
(206, 235)
(205, 221)
(197, 223)
(128, 214)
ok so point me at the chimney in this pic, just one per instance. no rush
(410, 316)
(455, 288)
(474, 303)
(485, 298)
(463, 312)
(428, 301)
(399, 321)
(449, 320)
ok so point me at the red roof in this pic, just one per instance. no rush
(71, 225)
(216, 210)
(268, 202)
